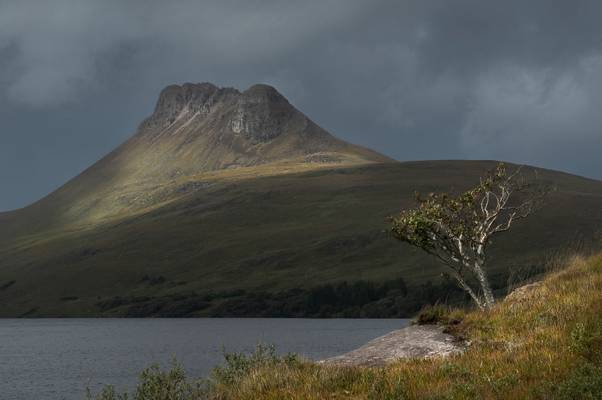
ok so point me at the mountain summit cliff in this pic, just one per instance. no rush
(259, 113)
(202, 127)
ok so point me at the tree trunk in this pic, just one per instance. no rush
(484, 283)
(481, 303)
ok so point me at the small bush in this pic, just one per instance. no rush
(585, 382)
(238, 365)
(157, 384)
(439, 314)
(107, 393)
(586, 340)
(173, 384)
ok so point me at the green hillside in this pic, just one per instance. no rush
(209, 243)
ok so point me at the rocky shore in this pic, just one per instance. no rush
(415, 341)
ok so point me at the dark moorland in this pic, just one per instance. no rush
(230, 203)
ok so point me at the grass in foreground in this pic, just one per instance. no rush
(544, 344)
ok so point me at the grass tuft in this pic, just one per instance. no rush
(439, 314)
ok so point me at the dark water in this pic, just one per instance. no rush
(57, 358)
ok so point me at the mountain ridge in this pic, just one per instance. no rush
(225, 128)
(251, 209)
(196, 129)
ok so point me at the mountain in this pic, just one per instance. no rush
(199, 127)
(194, 129)
(235, 203)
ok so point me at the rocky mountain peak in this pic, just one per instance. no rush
(259, 114)
(262, 114)
(175, 98)
(195, 96)
(199, 127)
(265, 93)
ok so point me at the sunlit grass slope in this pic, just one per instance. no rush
(544, 344)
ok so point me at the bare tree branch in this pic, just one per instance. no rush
(457, 230)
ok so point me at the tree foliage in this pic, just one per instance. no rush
(458, 229)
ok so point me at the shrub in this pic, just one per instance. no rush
(157, 384)
(238, 365)
(439, 314)
(585, 382)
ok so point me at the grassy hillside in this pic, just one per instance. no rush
(208, 243)
(546, 344)
(543, 344)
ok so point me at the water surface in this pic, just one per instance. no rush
(57, 358)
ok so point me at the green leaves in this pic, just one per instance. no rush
(444, 214)
(456, 229)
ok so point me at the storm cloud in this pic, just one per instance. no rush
(514, 80)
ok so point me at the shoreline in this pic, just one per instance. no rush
(413, 341)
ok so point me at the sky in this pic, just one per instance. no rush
(514, 80)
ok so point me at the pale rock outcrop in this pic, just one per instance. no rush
(415, 341)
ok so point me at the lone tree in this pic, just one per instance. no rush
(458, 230)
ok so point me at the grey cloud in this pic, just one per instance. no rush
(60, 44)
(515, 80)
(518, 105)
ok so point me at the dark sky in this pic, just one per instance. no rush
(513, 80)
